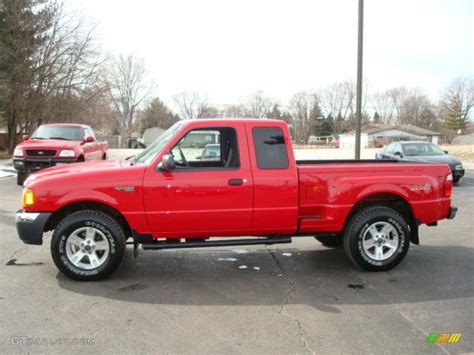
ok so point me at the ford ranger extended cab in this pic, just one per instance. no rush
(169, 197)
(56, 144)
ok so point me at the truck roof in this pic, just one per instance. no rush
(239, 120)
(65, 124)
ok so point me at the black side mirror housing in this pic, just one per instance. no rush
(446, 152)
(398, 154)
(167, 163)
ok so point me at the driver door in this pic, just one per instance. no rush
(206, 194)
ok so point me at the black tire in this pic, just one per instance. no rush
(331, 242)
(21, 177)
(101, 222)
(357, 229)
(456, 179)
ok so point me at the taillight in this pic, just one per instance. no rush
(448, 185)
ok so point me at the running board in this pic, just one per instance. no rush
(215, 243)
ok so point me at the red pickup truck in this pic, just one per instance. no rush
(56, 144)
(168, 197)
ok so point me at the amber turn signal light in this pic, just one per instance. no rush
(28, 197)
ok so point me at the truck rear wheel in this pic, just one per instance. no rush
(88, 245)
(377, 238)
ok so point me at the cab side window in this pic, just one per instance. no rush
(397, 148)
(87, 133)
(270, 148)
(207, 148)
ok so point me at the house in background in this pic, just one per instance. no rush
(376, 136)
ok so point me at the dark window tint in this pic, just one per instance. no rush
(270, 148)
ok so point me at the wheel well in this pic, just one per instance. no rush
(393, 201)
(57, 216)
(81, 158)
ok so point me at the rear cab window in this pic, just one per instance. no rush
(270, 148)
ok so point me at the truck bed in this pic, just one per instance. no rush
(329, 189)
(346, 161)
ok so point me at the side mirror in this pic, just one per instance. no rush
(446, 151)
(167, 163)
(90, 139)
(398, 154)
(26, 137)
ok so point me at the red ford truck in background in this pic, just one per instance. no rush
(169, 197)
(56, 144)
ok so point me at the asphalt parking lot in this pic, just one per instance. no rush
(297, 298)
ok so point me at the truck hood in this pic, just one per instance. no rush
(48, 144)
(77, 170)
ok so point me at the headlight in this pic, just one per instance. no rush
(28, 197)
(458, 167)
(18, 152)
(67, 153)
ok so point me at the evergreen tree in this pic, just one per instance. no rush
(157, 114)
(455, 118)
(23, 29)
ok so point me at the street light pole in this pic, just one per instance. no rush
(359, 79)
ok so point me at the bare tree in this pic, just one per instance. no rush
(257, 105)
(128, 88)
(383, 105)
(338, 100)
(305, 110)
(235, 111)
(191, 104)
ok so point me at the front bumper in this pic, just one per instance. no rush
(452, 212)
(30, 226)
(30, 165)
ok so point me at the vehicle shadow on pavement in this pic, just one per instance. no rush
(322, 278)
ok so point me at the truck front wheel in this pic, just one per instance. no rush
(376, 238)
(21, 177)
(88, 245)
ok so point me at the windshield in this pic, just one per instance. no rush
(148, 154)
(412, 149)
(70, 133)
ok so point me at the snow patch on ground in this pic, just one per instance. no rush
(287, 254)
(240, 251)
(227, 259)
(7, 171)
(242, 267)
(3, 174)
(256, 268)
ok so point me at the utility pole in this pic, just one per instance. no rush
(359, 79)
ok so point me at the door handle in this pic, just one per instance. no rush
(235, 182)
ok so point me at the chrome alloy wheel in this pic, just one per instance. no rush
(380, 241)
(87, 248)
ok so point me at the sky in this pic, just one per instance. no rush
(229, 49)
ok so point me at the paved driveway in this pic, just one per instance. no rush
(298, 298)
